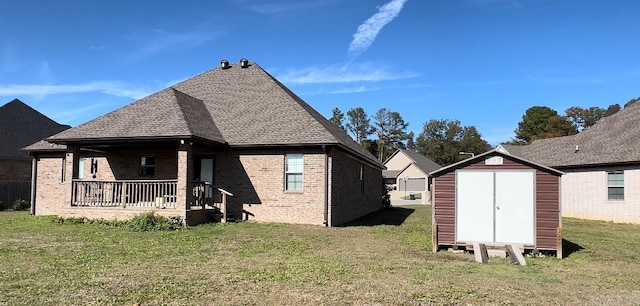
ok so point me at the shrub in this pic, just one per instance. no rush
(1, 206)
(21, 204)
(151, 222)
(386, 198)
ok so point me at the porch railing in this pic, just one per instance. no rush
(124, 193)
(206, 196)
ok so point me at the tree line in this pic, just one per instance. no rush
(447, 141)
(441, 140)
(539, 122)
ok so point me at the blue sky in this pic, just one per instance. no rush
(483, 62)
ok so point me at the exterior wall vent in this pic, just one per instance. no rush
(224, 64)
(244, 63)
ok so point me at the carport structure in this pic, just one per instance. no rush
(497, 199)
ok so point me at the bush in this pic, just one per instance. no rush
(386, 198)
(21, 204)
(151, 222)
(1, 206)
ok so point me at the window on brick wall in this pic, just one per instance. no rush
(294, 169)
(362, 179)
(147, 165)
(64, 168)
(615, 185)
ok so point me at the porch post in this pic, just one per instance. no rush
(185, 175)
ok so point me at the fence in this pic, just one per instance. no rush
(11, 191)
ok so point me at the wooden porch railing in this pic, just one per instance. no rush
(125, 193)
(206, 196)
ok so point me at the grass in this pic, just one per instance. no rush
(383, 259)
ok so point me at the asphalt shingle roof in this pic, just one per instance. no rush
(614, 139)
(21, 125)
(424, 163)
(237, 106)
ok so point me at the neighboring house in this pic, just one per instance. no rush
(20, 125)
(601, 166)
(233, 134)
(407, 175)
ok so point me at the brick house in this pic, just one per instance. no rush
(601, 166)
(20, 125)
(408, 173)
(230, 141)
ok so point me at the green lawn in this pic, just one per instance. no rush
(373, 262)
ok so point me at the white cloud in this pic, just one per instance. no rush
(278, 7)
(106, 87)
(8, 62)
(367, 31)
(342, 74)
(44, 73)
(154, 40)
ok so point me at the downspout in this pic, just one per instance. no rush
(326, 185)
(34, 176)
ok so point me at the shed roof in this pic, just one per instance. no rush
(21, 125)
(234, 106)
(493, 152)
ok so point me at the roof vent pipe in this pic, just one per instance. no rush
(577, 149)
(244, 63)
(224, 64)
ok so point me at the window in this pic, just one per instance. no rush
(362, 179)
(615, 183)
(293, 172)
(81, 168)
(64, 168)
(148, 165)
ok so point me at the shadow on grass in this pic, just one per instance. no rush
(569, 248)
(384, 216)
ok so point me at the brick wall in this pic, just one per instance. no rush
(256, 179)
(53, 195)
(584, 195)
(125, 164)
(348, 201)
(15, 169)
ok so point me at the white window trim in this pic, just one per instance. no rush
(288, 172)
(615, 186)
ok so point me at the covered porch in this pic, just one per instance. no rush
(169, 178)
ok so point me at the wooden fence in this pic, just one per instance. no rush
(10, 191)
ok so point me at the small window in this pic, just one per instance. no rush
(81, 167)
(148, 165)
(293, 172)
(64, 168)
(362, 179)
(615, 184)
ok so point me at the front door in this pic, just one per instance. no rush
(204, 171)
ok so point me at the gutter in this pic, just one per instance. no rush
(34, 177)
(326, 185)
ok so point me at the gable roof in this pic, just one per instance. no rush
(493, 152)
(613, 140)
(422, 162)
(235, 106)
(21, 125)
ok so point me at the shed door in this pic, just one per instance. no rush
(514, 207)
(474, 211)
(493, 206)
